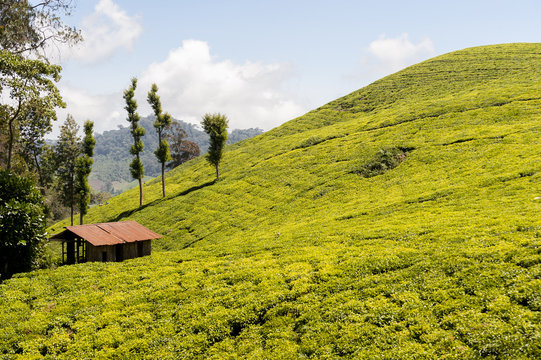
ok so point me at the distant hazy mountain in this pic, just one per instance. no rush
(111, 172)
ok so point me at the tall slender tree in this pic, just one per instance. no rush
(215, 125)
(32, 130)
(83, 169)
(136, 167)
(68, 149)
(162, 121)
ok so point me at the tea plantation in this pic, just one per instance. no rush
(397, 222)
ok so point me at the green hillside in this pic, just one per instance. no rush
(397, 222)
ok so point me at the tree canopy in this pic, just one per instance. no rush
(68, 149)
(83, 167)
(136, 167)
(22, 224)
(28, 30)
(33, 98)
(30, 27)
(215, 125)
(182, 149)
(163, 120)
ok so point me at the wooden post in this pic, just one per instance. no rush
(84, 251)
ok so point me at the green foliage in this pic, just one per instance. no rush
(27, 78)
(137, 132)
(22, 225)
(293, 256)
(34, 96)
(313, 140)
(27, 84)
(385, 159)
(161, 123)
(68, 149)
(99, 197)
(83, 168)
(30, 27)
(162, 152)
(182, 149)
(88, 141)
(136, 166)
(215, 125)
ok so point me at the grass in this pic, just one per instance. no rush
(295, 254)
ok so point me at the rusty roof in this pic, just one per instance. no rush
(108, 233)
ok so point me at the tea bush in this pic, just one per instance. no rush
(385, 159)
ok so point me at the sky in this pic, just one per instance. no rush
(262, 62)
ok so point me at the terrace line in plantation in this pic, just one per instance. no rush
(114, 241)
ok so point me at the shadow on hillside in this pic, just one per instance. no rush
(127, 213)
(194, 188)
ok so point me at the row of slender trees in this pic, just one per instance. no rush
(161, 122)
(215, 125)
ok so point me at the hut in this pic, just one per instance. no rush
(114, 241)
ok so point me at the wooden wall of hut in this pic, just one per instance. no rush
(118, 252)
(100, 253)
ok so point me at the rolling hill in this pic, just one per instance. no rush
(397, 222)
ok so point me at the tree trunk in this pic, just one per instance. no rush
(163, 179)
(217, 172)
(81, 218)
(140, 192)
(72, 198)
(40, 176)
(4, 273)
(12, 134)
(10, 145)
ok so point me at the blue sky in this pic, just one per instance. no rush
(264, 62)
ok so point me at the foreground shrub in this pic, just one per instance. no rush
(22, 224)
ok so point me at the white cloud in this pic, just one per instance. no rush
(192, 83)
(104, 110)
(107, 30)
(388, 55)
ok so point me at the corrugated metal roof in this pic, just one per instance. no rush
(109, 233)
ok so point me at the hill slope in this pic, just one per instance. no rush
(396, 222)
